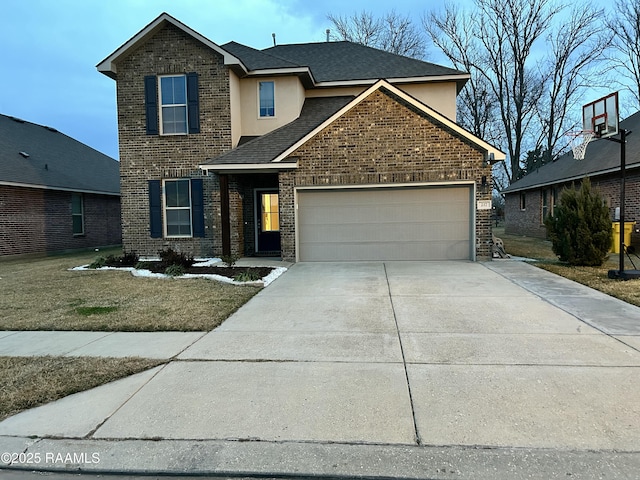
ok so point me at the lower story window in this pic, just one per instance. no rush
(177, 208)
(77, 213)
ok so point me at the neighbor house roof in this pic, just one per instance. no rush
(322, 64)
(36, 156)
(273, 149)
(602, 157)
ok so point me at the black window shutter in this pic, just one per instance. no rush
(193, 103)
(155, 209)
(197, 207)
(151, 104)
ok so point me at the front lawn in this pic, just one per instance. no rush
(42, 294)
(27, 382)
(594, 277)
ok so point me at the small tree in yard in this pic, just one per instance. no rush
(580, 228)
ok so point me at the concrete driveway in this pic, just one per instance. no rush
(417, 355)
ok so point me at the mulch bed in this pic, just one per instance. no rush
(230, 272)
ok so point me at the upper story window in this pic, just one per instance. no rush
(267, 99)
(173, 105)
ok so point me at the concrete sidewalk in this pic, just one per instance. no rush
(395, 369)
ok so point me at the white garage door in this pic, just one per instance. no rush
(385, 224)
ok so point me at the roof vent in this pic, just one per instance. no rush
(16, 119)
(24, 154)
(51, 129)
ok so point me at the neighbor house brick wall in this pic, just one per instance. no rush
(39, 221)
(529, 222)
(155, 157)
(609, 186)
(383, 140)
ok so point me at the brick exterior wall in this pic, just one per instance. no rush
(39, 221)
(524, 222)
(378, 142)
(155, 157)
(529, 221)
(382, 141)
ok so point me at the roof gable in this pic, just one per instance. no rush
(35, 156)
(274, 149)
(108, 65)
(322, 64)
(490, 150)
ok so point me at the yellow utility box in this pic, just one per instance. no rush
(615, 243)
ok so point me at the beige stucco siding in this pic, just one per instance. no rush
(441, 96)
(236, 108)
(289, 98)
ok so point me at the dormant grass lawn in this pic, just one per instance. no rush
(594, 277)
(28, 382)
(42, 294)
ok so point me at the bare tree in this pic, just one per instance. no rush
(453, 34)
(624, 30)
(529, 90)
(575, 54)
(393, 32)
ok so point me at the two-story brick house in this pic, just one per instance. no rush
(319, 151)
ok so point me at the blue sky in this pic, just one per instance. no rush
(50, 48)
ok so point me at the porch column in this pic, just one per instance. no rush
(224, 213)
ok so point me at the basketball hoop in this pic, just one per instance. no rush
(579, 141)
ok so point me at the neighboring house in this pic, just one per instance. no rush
(318, 151)
(529, 200)
(56, 193)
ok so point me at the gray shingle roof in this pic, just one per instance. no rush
(54, 160)
(255, 59)
(338, 61)
(264, 149)
(602, 156)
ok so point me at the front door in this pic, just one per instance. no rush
(267, 222)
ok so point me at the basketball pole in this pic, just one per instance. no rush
(620, 273)
(623, 177)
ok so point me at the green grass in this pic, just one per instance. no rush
(88, 311)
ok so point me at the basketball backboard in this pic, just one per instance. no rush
(601, 116)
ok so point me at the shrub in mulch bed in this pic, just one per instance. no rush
(178, 263)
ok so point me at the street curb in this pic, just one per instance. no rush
(318, 460)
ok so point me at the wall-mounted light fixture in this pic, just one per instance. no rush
(484, 186)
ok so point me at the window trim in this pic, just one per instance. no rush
(266, 117)
(166, 208)
(74, 215)
(161, 106)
